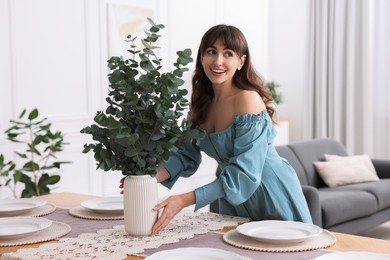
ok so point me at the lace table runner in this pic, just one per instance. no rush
(115, 243)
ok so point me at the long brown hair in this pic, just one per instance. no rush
(247, 78)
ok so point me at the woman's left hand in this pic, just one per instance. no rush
(171, 206)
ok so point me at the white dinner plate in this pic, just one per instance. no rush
(194, 253)
(354, 256)
(107, 205)
(278, 231)
(13, 227)
(13, 207)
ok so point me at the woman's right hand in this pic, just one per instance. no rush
(170, 208)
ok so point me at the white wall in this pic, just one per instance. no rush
(53, 57)
(287, 59)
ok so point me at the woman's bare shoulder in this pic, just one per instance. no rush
(248, 102)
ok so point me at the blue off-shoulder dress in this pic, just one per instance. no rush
(254, 182)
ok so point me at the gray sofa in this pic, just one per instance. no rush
(351, 208)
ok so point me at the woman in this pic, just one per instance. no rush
(234, 109)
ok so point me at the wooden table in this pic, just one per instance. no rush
(345, 242)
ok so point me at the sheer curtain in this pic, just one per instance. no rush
(381, 78)
(349, 75)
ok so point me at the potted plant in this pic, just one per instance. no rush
(282, 127)
(142, 124)
(276, 95)
(39, 158)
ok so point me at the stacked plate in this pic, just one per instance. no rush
(279, 232)
(12, 225)
(15, 207)
(16, 227)
(107, 205)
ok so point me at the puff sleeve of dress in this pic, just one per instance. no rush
(183, 163)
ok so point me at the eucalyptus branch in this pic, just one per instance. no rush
(148, 106)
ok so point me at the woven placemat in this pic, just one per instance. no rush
(56, 230)
(82, 212)
(324, 240)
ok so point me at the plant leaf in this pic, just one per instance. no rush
(33, 114)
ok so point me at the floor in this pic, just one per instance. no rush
(381, 232)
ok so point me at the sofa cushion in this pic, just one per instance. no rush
(379, 189)
(363, 159)
(342, 206)
(339, 170)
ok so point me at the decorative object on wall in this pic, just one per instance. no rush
(42, 145)
(125, 19)
(141, 125)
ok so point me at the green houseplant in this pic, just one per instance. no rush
(276, 95)
(8, 176)
(143, 121)
(40, 166)
(140, 126)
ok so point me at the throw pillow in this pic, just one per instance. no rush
(362, 158)
(341, 170)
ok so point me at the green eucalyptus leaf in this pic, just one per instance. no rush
(22, 155)
(17, 176)
(48, 180)
(22, 114)
(44, 191)
(33, 114)
(12, 135)
(31, 166)
(24, 178)
(29, 191)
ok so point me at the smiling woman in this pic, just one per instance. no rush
(233, 108)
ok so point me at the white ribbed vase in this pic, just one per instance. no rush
(140, 195)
